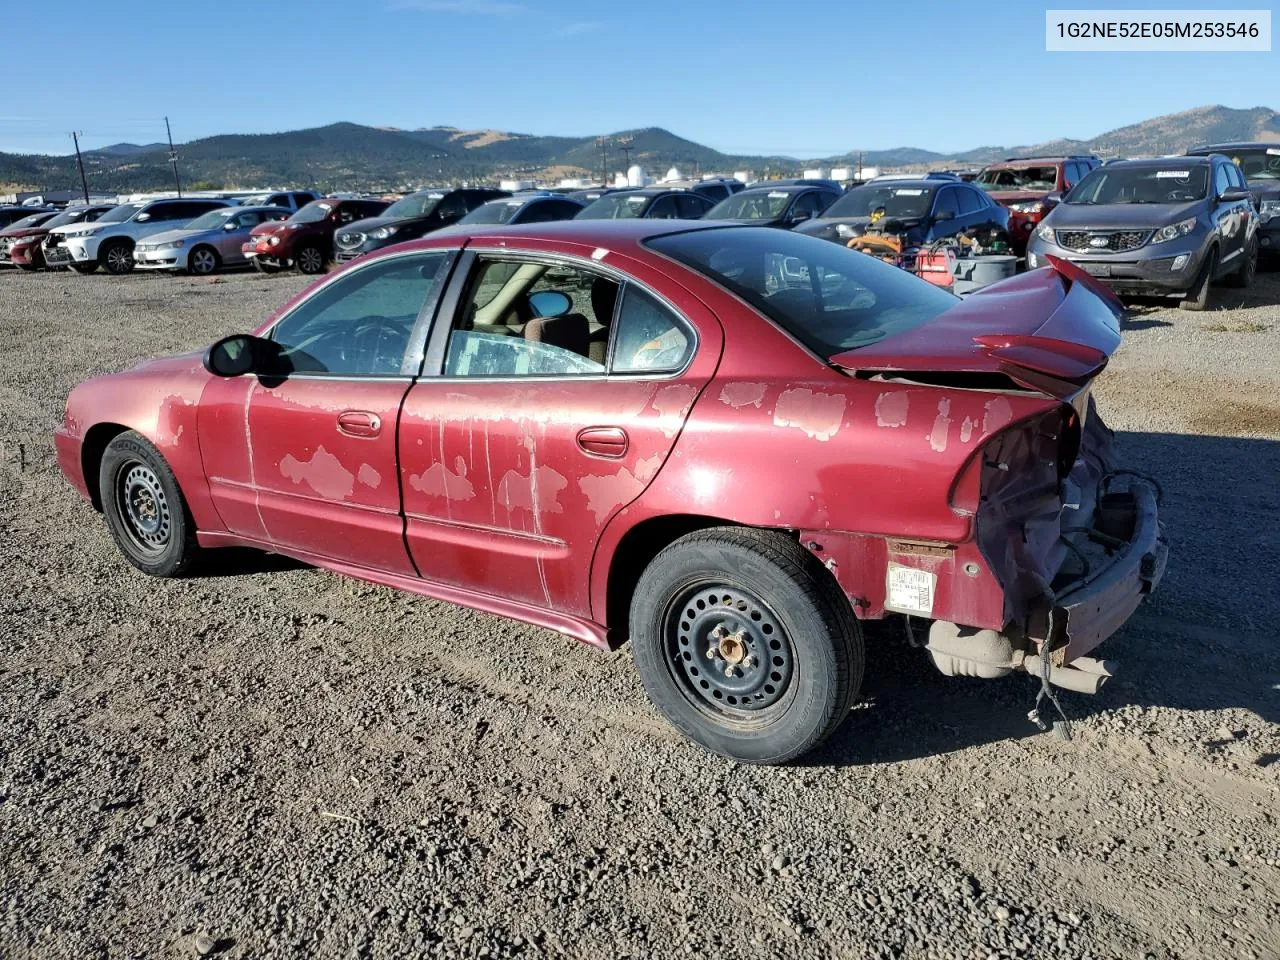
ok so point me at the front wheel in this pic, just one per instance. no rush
(310, 259)
(144, 508)
(203, 261)
(117, 258)
(746, 644)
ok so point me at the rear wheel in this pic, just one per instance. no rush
(310, 259)
(117, 257)
(1242, 276)
(746, 644)
(1197, 298)
(203, 261)
(144, 508)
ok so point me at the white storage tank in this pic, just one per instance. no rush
(636, 177)
(817, 173)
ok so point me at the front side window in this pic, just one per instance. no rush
(828, 297)
(664, 208)
(361, 323)
(946, 203)
(1221, 179)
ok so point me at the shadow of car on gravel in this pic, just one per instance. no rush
(1202, 642)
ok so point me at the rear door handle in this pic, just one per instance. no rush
(608, 442)
(359, 423)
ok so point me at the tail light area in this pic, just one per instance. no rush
(1025, 491)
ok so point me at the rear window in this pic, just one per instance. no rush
(828, 297)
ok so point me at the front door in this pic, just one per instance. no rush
(562, 389)
(304, 456)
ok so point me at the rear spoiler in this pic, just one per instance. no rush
(1050, 331)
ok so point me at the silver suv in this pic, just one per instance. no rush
(109, 241)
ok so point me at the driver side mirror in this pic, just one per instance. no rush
(1055, 197)
(230, 225)
(1235, 195)
(236, 355)
(142, 218)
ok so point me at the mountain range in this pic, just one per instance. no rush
(349, 156)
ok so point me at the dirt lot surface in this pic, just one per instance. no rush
(274, 761)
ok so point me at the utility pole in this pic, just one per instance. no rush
(173, 157)
(84, 183)
(604, 160)
(626, 144)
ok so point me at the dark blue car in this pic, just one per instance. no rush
(919, 210)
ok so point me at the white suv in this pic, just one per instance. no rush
(109, 241)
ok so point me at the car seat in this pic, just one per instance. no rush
(568, 332)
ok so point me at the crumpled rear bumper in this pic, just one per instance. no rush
(1087, 612)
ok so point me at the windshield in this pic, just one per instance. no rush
(414, 205)
(1259, 163)
(74, 215)
(896, 200)
(498, 211)
(32, 221)
(213, 220)
(828, 297)
(1018, 178)
(1144, 184)
(616, 206)
(752, 205)
(313, 212)
(121, 213)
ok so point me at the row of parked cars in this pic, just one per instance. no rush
(1166, 226)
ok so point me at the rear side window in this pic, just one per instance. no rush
(649, 337)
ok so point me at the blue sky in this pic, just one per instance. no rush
(744, 77)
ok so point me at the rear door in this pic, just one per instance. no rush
(518, 447)
(306, 457)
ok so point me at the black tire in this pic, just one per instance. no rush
(1242, 277)
(1197, 298)
(203, 261)
(116, 257)
(757, 603)
(310, 259)
(144, 508)
(84, 267)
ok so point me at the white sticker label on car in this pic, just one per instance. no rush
(910, 590)
(908, 193)
(777, 195)
(1174, 174)
(1273, 152)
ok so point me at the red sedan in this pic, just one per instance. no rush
(726, 444)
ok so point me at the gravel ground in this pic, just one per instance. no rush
(275, 761)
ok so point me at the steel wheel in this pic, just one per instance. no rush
(203, 261)
(728, 653)
(310, 260)
(144, 507)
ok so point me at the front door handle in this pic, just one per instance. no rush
(359, 423)
(608, 442)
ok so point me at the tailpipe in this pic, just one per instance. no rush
(969, 652)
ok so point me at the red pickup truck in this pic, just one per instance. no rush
(305, 240)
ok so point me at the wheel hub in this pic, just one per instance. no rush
(727, 650)
(145, 508)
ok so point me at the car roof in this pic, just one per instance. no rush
(1229, 148)
(606, 234)
(911, 184)
(1199, 160)
(780, 188)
